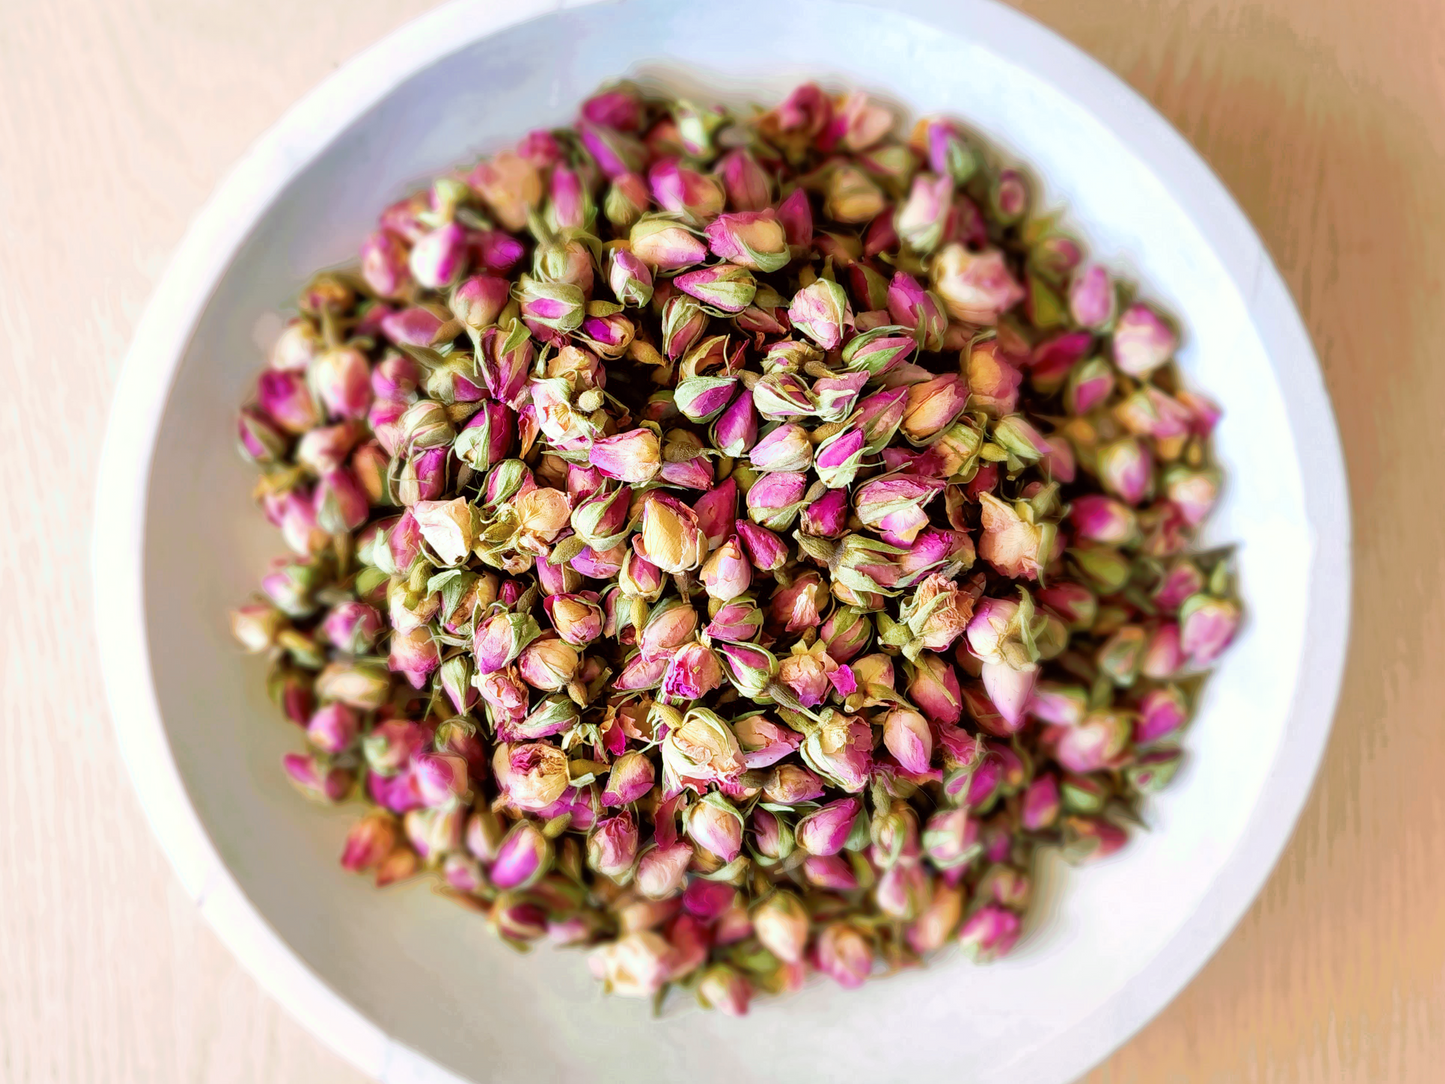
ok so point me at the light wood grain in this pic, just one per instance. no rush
(1326, 120)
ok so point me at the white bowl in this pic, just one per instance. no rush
(404, 983)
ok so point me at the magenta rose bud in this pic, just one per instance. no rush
(1091, 297)
(1103, 519)
(821, 312)
(522, 858)
(895, 503)
(717, 512)
(1041, 804)
(919, 310)
(736, 428)
(438, 258)
(825, 830)
(754, 240)
(630, 778)
(1206, 627)
(333, 728)
(827, 517)
(685, 192)
(286, 400)
(352, 626)
(630, 279)
(1090, 385)
(748, 186)
(989, 932)
(775, 500)
(1142, 341)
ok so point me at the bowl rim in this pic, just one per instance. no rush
(163, 335)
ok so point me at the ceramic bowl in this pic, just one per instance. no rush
(412, 988)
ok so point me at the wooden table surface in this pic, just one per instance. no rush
(1326, 118)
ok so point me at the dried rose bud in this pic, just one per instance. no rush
(895, 503)
(932, 406)
(789, 784)
(825, 830)
(323, 784)
(723, 289)
(700, 751)
(479, 300)
(369, 842)
(1162, 711)
(844, 954)
(841, 750)
(662, 871)
(775, 500)
(439, 257)
(1091, 297)
(754, 240)
(919, 310)
(291, 586)
(626, 200)
(612, 847)
(1103, 519)
(832, 873)
(1011, 542)
(1163, 656)
(332, 728)
(1206, 627)
(692, 672)
(827, 517)
(989, 932)
(749, 668)
(1126, 469)
(1192, 492)
(256, 626)
(727, 572)
(577, 618)
(782, 926)
(908, 737)
(975, 287)
(821, 311)
(260, 440)
(664, 244)
(922, 218)
(1142, 341)
(549, 663)
(669, 535)
(851, 196)
(500, 638)
(630, 778)
(384, 263)
(633, 457)
(1090, 385)
(286, 400)
(715, 826)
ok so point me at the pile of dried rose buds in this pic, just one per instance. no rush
(733, 542)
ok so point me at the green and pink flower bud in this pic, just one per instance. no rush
(749, 668)
(880, 350)
(932, 406)
(630, 279)
(775, 500)
(1092, 297)
(832, 872)
(260, 439)
(626, 201)
(825, 830)
(894, 504)
(551, 306)
(683, 322)
(630, 778)
(841, 750)
(736, 622)
(748, 185)
(990, 932)
(662, 871)
(789, 784)
(933, 687)
(286, 400)
(291, 585)
(1103, 519)
(669, 535)
(500, 638)
(1041, 804)
(325, 784)
(844, 954)
(441, 778)
(723, 289)
(1163, 656)
(727, 572)
(764, 549)
(821, 312)
(754, 240)
(950, 838)
(736, 428)
(414, 655)
(612, 847)
(257, 625)
(332, 728)
(976, 287)
(786, 448)
(827, 517)
(779, 396)
(384, 263)
(692, 672)
(715, 826)
(577, 618)
(1095, 743)
(1142, 341)
(695, 197)
(920, 310)
(1126, 469)
(782, 926)
(369, 842)
(838, 460)
(1162, 711)
(923, 217)
(795, 214)
(1193, 492)
(907, 735)
(1206, 627)
(439, 257)
(993, 382)
(664, 244)
(414, 326)
(1090, 385)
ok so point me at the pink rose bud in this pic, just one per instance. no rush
(839, 458)
(1010, 690)
(827, 517)
(841, 750)
(764, 742)
(786, 448)
(1089, 838)
(1091, 297)
(333, 728)
(571, 204)
(1103, 519)
(554, 306)
(1093, 744)
(438, 258)
(617, 107)
(369, 842)
(1206, 627)
(662, 871)
(1142, 341)
(297, 345)
(257, 625)
(626, 200)
(748, 186)
(683, 322)
(1041, 804)
(796, 215)
(440, 777)
(976, 288)
(669, 535)
(788, 784)
(500, 638)
(630, 279)
(1073, 603)
(723, 289)
(844, 954)
(414, 655)
(782, 926)
(577, 618)
(692, 672)
(612, 847)
(522, 858)
(634, 456)
(736, 428)
(735, 622)
(1062, 705)
(630, 778)
(993, 383)
(535, 774)
(775, 500)
(716, 827)
(755, 240)
(326, 785)
(937, 921)
(989, 932)
(1162, 711)
(908, 737)
(846, 633)
(821, 311)
(415, 326)
(766, 550)
(1192, 492)
(921, 219)
(479, 300)
(717, 512)
(685, 192)
(850, 195)
(950, 838)
(895, 503)
(1126, 469)
(825, 830)
(727, 572)
(1163, 656)
(260, 440)
(780, 395)
(919, 310)
(879, 351)
(285, 399)
(511, 186)
(832, 872)
(948, 150)
(932, 406)
(772, 838)
(384, 258)
(1090, 385)
(423, 476)
(664, 244)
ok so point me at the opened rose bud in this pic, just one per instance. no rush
(1142, 341)
(976, 288)
(896, 503)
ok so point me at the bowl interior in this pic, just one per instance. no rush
(427, 972)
